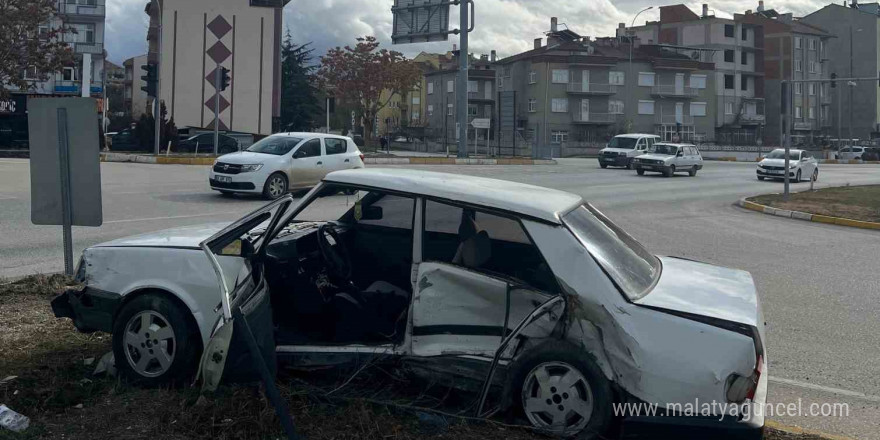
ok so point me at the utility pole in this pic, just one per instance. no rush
(157, 113)
(788, 121)
(461, 92)
(217, 79)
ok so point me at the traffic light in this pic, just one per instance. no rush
(833, 82)
(151, 78)
(225, 80)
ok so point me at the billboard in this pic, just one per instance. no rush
(420, 21)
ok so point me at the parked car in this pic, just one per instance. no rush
(125, 140)
(851, 153)
(623, 148)
(285, 161)
(668, 159)
(204, 143)
(458, 276)
(801, 164)
(871, 154)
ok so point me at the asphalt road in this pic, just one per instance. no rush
(820, 284)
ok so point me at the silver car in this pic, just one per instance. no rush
(668, 158)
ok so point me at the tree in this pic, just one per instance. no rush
(358, 76)
(298, 102)
(25, 47)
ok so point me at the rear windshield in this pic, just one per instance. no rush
(278, 145)
(632, 268)
(624, 143)
(664, 149)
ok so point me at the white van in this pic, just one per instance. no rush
(624, 147)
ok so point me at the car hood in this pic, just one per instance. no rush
(616, 150)
(777, 162)
(245, 157)
(706, 290)
(656, 156)
(182, 237)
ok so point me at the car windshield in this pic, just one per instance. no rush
(276, 145)
(664, 149)
(632, 268)
(780, 154)
(623, 142)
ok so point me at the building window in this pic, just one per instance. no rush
(558, 137)
(698, 109)
(472, 110)
(450, 86)
(646, 79)
(728, 82)
(430, 88)
(812, 67)
(473, 87)
(559, 105)
(811, 44)
(501, 83)
(416, 116)
(743, 83)
(745, 33)
(533, 105)
(728, 108)
(811, 89)
(744, 58)
(797, 42)
(616, 78)
(698, 81)
(798, 112)
(798, 88)
(416, 100)
(560, 76)
(728, 30)
(30, 73)
(646, 107)
(798, 65)
(811, 112)
(615, 107)
(68, 74)
(729, 56)
(394, 104)
(449, 110)
(533, 77)
(430, 110)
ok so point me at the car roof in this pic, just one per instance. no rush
(527, 200)
(636, 135)
(790, 150)
(675, 144)
(307, 135)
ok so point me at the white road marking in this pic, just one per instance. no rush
(8, 198)
(810, 386)
(132, 220)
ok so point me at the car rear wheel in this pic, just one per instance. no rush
(560, 390)
(640, 171)
(629, 165)
(693, 171)
(276, 186)
(154, 343)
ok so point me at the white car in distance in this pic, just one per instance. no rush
(282, 162)
(801, 165)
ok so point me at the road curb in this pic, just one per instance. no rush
(797, 215)
(171, 160)
(776, 426)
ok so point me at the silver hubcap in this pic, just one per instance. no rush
(149, 343)
(276, 186)
(557, 397)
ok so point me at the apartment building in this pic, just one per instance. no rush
(440, 102)
(794, 50)
(738, 55)
(408, 110)
(855, 52)
(576, 92)
(199, 36)
(137, 102)
(87, 18)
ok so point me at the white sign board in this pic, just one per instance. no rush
(484, 123)
(420, 21)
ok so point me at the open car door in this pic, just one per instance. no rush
(244, 325)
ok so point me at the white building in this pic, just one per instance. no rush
(136, 101)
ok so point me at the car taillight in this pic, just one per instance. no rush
(740, 388)
(757, 377)
(362, 157)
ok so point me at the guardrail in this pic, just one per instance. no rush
(746, 117)
(672, 90)
(94, 8)
(92, 48)
(675, 119)
(592, 88)
(598, 118)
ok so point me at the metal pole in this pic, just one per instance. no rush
(788, 104)
(839, 120)
(632, 36)
(461, 92)
(850, 86)
(217, 73)
(157, 115)
(328, 115)
(64, 170)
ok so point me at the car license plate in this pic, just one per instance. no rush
(224, 179)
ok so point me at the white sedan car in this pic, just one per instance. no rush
(801, 165)
(527, 293)
(281, 162)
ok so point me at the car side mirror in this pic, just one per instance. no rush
(372, 213)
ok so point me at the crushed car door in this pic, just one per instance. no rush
(236, 254)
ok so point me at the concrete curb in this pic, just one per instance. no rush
(172, 160)
(776, 426)
(797, 215)
(822, 161)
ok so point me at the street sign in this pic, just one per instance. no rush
(420, 21)
(64, 165)
(484, 123)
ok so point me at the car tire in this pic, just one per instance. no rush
(640, 171)
(276, 186)
(629, 165)
(558, 360)
(603, 166)
(693, 171)
(166, 353)
(797, 177)
(816, 175)
(669, 171)
(761, 178)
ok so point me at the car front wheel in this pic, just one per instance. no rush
(640, 171)
(561, 390)
(816, 175)
(669, 171)
(797, 177)
(154, 343)
(276, 186)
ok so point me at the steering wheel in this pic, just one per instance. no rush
(336, 257)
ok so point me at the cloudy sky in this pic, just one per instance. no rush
(508, 26)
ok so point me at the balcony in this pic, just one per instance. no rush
(74, 87)
(592, 88)
(675, 92)
(751, 118)
(595, 118)
(92, 48)
(675, 120)
(803, 125)
(82, 8)
(477, 96)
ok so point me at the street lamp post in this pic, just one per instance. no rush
(631, 35)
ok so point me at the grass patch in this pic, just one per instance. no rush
(63, 399)
(852, 202)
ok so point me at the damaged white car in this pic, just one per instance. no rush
(528, 294)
